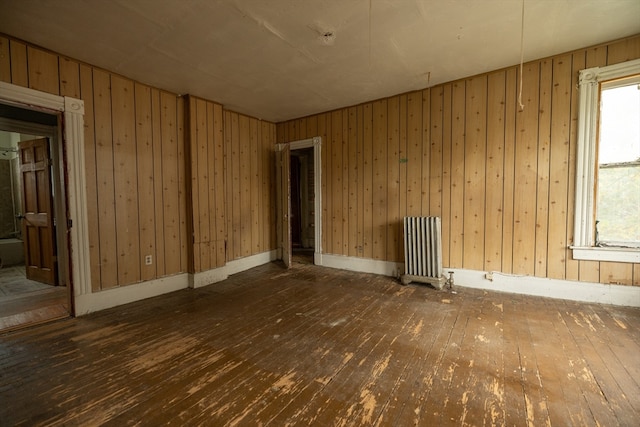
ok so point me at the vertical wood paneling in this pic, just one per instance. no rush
(526, 173)
(124, 128)
(360, 156)
(344, 191)
(248, 157)
(169, 176)
(158, 202)
(235, 188)
(211, 194)
(425, 137)
(219, 186)
(5, 60)
(230, 156)
(19, 68)
(255, 189)
(244, 170)
(623, 50)
(414, 154)
(200, 191)
(336, 182)
(509, 170)
(43, 71)
(367, 211)
(69, 78)
(266, 219)
(322, 131)
(105, 180)
(353, 181)
(503, 180)
(456, 250)
(379, 164)
(86, 91)
(125, 180)
(578, 63)
(312, 126)
(494, 207)
(329, 183)
(542, 196)
(446, 174)
(137, 178)
(435, 146)
(474, 172)
(146, 199)
(559, 168)
(402, 170)
(394, 222)
(182, 184)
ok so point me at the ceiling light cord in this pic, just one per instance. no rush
(521, 57)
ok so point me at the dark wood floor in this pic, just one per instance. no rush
(314, 346)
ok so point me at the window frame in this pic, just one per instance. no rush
(586, 163)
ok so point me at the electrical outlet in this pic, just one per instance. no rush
(148, 260)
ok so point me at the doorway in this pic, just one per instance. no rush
(34, 260)
(299, 218)
(302, 199)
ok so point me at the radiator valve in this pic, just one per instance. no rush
(449, 282)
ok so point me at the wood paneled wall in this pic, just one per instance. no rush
(501, 178)
(134, 153)
(250, 185)
(144, 149)
(207, 222)
(231, 184)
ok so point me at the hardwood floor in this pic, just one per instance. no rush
(25, 303)
(315, 346)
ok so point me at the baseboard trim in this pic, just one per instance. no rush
(96, 301)
(524, 285)
(242, 264)
(209, 277)
(551, 288)
(363, 265)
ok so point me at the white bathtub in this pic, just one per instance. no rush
(11, 252)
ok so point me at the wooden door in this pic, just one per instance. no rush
(283, 166)
(37, 211)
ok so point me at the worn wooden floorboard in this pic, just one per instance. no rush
(315, 346)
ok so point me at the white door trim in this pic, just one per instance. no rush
(73, 140)
(316, 144)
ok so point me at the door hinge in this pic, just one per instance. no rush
(69, 223)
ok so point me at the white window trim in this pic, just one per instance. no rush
(589, 101)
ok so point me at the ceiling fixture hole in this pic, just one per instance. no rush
(328, 37)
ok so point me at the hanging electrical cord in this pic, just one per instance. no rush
(521, 57)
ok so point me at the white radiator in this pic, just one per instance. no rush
(423, 251)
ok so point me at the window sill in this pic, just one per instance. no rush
(592, 253)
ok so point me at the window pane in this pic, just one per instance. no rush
(618, 202)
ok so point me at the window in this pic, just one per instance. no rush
(607, 222)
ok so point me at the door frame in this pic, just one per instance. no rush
(316, 144)
(71, 129)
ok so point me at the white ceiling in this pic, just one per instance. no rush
(271, 58)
